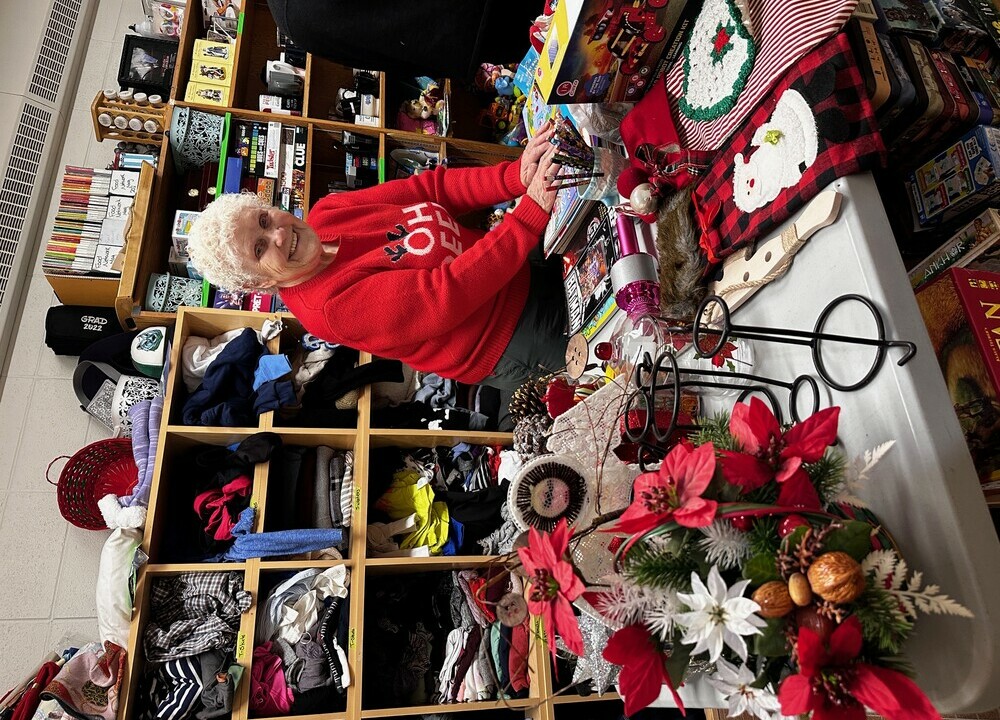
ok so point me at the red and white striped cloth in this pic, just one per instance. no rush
(783, 31)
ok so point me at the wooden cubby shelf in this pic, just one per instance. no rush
(260, 575)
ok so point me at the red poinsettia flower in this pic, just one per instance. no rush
(673, 493)
(834, 686)
(770, 454)
(643, 671)
(554, 585)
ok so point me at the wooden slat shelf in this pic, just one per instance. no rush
(448, 708)
(282, 565)
(175, 568)
(428, 438)
(394, 565)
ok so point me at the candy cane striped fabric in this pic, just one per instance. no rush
(784, 31)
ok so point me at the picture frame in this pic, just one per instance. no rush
(147, 64)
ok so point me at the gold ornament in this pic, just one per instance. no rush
(837, 577)
(798, 588)
(773, 599)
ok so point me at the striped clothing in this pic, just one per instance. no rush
(783, 31)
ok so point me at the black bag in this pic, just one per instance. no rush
(70, 329)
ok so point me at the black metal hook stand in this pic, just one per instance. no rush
(813, 339)
(653, 377)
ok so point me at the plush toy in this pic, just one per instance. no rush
(495, 79)
(415, 116)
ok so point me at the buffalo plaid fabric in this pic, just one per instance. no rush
(194, 612)
(724, 227)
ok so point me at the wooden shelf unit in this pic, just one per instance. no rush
(362, 439)
(256, 43)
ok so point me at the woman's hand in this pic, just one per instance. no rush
(540, 189)
(533, 152)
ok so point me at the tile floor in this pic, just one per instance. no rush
(50, 567)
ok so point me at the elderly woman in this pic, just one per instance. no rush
(389, 270)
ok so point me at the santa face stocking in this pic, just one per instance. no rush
(738, 49)
(817, 125)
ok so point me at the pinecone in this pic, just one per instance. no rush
(530, 435)
(528, 400)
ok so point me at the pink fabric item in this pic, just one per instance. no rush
(88, 685)
(783, 32)
(212, 507)
(269, 692)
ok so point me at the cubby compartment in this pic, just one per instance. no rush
(190, 631)
(417, 625)
(342, 160)
(400, 89)
(443, 498)
(325, 79)
(258, 44)
(311, 488)
(427, 401)
(209, 332)
(477, 116)
(327, 381)
(205, 483)
(299, 660)
(407, 154)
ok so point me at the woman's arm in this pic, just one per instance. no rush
(458, 190)
(462, 286)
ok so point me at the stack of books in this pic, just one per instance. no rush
(89, 224)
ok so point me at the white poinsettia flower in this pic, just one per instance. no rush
(734, 684)
(718, 616)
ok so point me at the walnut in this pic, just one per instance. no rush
(837, 577)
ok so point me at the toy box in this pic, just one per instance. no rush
(604, 50)
(207, 94)
(217, 52)
(980, 236)
(961, 176)
(962, 312)
(212, 73)
(183, 220)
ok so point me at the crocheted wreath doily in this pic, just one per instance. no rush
(718, 58)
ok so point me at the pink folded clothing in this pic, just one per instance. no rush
(88, 685)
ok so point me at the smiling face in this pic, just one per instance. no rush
(279, 248)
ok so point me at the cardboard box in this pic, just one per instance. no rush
(604, 50)
(957, 178)
(960, 249)
(211, 51)
(183, 220)
(205, 94)
(962, 312)
(212, 73)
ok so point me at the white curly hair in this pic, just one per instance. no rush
(211, 242)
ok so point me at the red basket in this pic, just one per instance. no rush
(96, 470)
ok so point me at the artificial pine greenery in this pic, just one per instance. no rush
(881, 621)
(826, 474)
(716, 431)
(763, 537)
(658, 567)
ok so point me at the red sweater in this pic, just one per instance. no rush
(408, 282)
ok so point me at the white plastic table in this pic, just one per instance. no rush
(925, 490)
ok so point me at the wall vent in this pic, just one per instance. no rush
(46, 80)
(18, 182)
